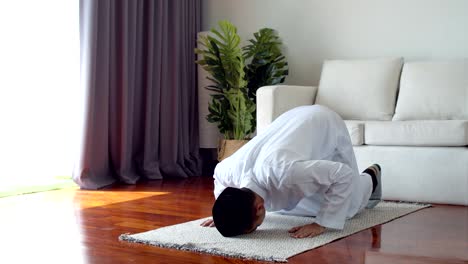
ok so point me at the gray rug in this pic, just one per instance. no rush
(271, 241)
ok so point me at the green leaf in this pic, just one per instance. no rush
(232, 105)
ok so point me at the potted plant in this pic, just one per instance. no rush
(232, 105)
(268, 66)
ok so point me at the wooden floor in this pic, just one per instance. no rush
(75, 226)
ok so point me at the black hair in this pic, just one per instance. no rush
(234, 211)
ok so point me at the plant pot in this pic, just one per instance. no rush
(227, 147)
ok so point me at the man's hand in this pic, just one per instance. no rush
(208, 223)
(309, 230)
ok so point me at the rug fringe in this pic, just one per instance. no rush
(409, 203)
(190, 247)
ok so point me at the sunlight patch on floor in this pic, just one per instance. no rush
(104, 198)
(74, 199)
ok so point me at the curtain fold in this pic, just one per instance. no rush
(138, 79)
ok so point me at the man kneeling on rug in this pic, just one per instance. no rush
(303, 164)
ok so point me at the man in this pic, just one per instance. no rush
(303, 164)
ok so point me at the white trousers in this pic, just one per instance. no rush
(361, 188)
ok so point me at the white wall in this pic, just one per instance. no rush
(314, 30)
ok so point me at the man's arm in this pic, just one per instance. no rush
(218, 189)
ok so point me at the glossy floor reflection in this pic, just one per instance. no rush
(76, 226)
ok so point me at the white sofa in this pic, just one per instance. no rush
(411, 118)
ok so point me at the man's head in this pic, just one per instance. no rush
(238, 211)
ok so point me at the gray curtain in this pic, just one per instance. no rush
(138, 80)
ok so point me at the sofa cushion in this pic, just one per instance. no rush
(360, 89)
(356, 131)
(433, 133)
(433, 90)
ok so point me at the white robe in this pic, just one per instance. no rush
(302, 164)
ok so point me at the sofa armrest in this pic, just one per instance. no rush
(274, 100)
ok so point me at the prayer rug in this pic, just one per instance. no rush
(271, 241)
